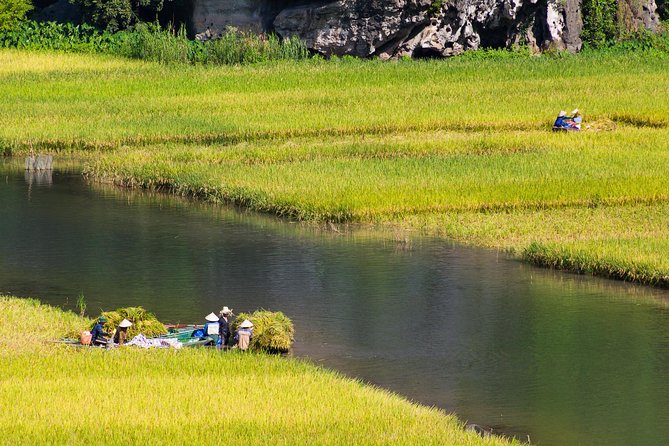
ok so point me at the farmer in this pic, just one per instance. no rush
(576, 119)
(121, 334)
(244, 334)
(98, 334)
(224, 327)
(211, 327)
(564, 122)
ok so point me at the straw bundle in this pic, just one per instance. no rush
(272, 331)
(142, 322)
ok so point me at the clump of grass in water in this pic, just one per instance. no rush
(142, 322)
(273, 332)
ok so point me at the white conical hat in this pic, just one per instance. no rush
(226, 310)
(246, 324)
(211, 317)
(125, 323)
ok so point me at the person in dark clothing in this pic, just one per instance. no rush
(98, 334)
(224, 327)
(121, 334)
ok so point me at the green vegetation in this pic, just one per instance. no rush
(142, 322)
(115, 15)
(459, 148)
(272, 331)
(132, 396)
(12, 11)
(600, 26)
(150, 42)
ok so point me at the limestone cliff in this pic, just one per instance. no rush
(419, 28)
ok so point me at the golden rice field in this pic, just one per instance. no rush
(59, 395)
(459, 148)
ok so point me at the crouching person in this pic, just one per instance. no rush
(98, 334)
(244, 335)
(121, 334)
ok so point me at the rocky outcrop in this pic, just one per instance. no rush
(635, 15)
(357, 27)
(472, 24)
(416, 28)
(211, 18)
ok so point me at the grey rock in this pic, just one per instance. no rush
(396, 28)
(636, 15)
(356, 27)
(212, 18)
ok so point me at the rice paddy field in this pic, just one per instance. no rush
(54, 394)
(459, 148)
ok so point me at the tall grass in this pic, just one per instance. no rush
(150, 42)
(60, 395)
(362, 180)
(639, 259)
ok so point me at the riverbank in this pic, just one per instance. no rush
(61, 395)
(457, 148)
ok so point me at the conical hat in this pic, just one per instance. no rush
(246, 324)
(125, 323)
(226, 310)
(211, 317)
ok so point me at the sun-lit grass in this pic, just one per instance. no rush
(62, 395)
(364, 181)
(105, 100)
(458, 148)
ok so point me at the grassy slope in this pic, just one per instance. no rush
(457, 148)
(61, 395)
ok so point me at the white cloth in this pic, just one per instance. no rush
(142, 341)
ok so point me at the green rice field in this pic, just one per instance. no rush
(460, 148)
(60, 395)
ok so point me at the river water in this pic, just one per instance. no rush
(560, 358)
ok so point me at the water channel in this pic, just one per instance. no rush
(562, 358)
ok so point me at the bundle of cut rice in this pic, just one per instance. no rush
(142, 322)
(272, 331)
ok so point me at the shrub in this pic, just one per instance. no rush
(272, 331)
(151, 42)
(13, 11)
(116, 15)
(599, 22)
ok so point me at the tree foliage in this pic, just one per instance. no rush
(115, 15)
(599, 22)
(663, 9)
(12, 11)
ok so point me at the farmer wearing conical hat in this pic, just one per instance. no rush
(244, 334)
(98, 334)
(211, 326)
(224, 327)
(121, 333)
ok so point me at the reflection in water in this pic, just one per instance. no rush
(38, 177)
(562, 358)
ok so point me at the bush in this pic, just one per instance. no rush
(57, 36)
(273, 332)
(12, 12)
(151, 42)
(117, 15)
(599, 22)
